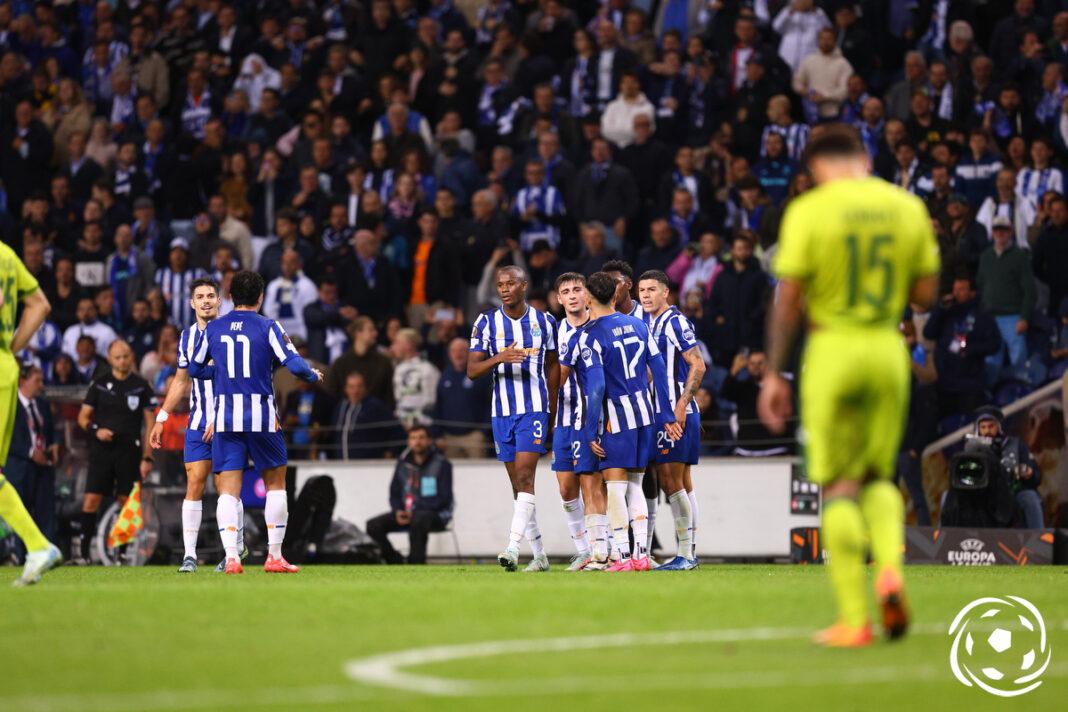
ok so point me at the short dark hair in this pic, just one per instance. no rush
(569, 277)
(246, 288)
(416, 427)
(834, 141)
(202, 282)
(655, 274)
(618, 266)
(602, 287)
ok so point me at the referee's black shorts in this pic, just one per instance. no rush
(113, 468)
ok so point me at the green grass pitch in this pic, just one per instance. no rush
(722, 637)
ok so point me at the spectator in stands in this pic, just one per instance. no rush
(420, 499)
(88, 325)
(617, 121)
(362, 423)
(798, 24)
(174, 280)
(140, 332)
(461, 409)
(921, 423)
(964, 334)
(67, 294)
(34, 452)
(327, 321)
(288, 237)
(605, 192)
(822, 77)
(977, 169)
(307, 412)
(1006, 286)
(737, 303)
(364, 358)
(130, 272)
(288, 294)
(662, 251)
(697, 265)
(742, 389)
(1051, 254)
(371, 283)
(898, 98)
(435, 266)
(1006, 203)
(538, 209)
(415, 380)
(87, 362)
(594, 248)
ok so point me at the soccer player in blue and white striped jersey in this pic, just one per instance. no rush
(614, 355)
(571, 293)
(624, 300)
(245, 348)
(204, 301)
(517, 343)
(625, 303)
(674, 335)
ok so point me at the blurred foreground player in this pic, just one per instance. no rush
(852, 254)
(18, 286)
(245, 348)
(518, 344)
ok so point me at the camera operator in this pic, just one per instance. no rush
(1018, 463)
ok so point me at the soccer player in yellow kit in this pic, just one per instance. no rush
(18, 285)
(853, 252)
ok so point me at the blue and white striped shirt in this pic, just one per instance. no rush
(246, 347)
(548, 205)
(1032, 184)
(201, 402)
(795, 136)
(569, 402)
(518, 388)
(175, 288)
(623, 347)
(674, 336)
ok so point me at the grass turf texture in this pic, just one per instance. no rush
(149, 639)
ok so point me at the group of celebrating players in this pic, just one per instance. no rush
(616, 379)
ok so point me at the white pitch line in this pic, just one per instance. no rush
(385, 670)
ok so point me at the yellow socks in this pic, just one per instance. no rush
(884, 513)
(15, 514)
(843, 535)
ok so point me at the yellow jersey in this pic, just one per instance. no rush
(15, 283)
(857, 246)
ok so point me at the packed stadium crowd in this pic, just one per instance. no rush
(376, 162)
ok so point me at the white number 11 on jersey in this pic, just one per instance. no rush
(242, 340)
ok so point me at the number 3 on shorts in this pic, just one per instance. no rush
(537, 429)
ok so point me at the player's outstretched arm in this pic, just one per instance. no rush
(176, 393)
(552, 375)
(35, 309)
(594, 397)
(287, 354)
(774, 405)
(666, 417)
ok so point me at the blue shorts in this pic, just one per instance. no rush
(563, 449)
(628, 449)
(585, 461)
(195, 447)
(685, 450)
(232, 451)
(520, 433)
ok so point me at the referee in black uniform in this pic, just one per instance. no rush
(118, 415)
